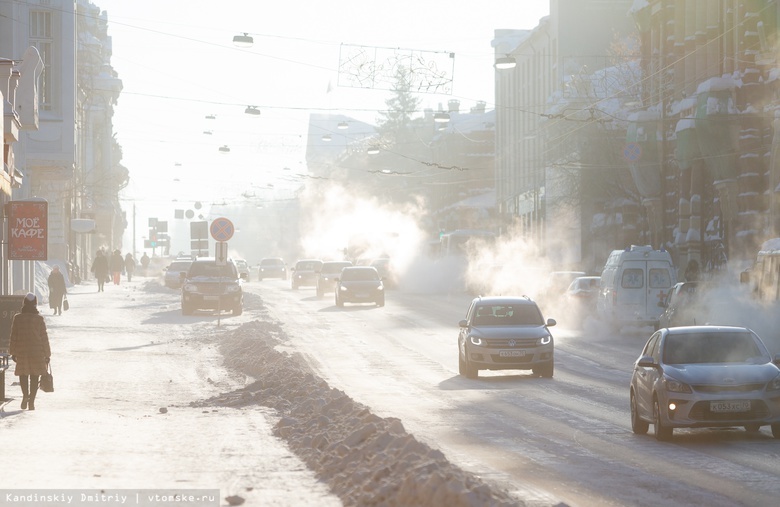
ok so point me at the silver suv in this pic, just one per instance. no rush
(505, 333)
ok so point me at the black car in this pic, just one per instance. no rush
(305, 273)
(211, 285)
(359, 284)
(327, 275)
(505, 333)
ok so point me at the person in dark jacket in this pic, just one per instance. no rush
(100, 269)
(57, 290)
(129, 266)
(117, 264)
(29, 348)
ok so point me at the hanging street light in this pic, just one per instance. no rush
(243, 41)
(505, 62)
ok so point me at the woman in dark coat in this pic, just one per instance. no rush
(129, 266)
(57, 290)
(100, 269)
(29, 348)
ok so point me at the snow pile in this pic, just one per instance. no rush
(365, 459)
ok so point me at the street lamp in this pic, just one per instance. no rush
(252, 110)
(243, 41)
(441, 117)
(505, 62)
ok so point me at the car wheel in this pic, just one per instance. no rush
(238, 310)
(546, 370)
(466, 369)
(662, 433)
(776, 430)
(638, 425)
(753, 428)
(380, 302)
(186, 310)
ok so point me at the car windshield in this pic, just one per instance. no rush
(700, 348)
(508, 315)
(211, 269)
(271, 262)
(359, 275)
(307, 266)
(177, 267)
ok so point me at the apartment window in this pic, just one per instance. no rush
(41, 37)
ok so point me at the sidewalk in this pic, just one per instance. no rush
(126, 367)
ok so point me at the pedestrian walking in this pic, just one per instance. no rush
(57, 290)
(100, 269)
(129, 266)
(29, 348)
(117, 264)
(145, 260)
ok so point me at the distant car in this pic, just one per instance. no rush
(581, 295)
(272, 267)
(243, 268)
(209, 285)
(704, 377)
(329, 271)
(172, 277)
(305, 273)
(359, 284)
(505, 333)
(384, 267)
(557, 282)
(678, 306)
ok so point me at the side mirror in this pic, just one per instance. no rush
(646, 362)
(463, 323)
(551, 322)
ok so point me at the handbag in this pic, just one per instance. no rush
(65, 304)
(47, 381)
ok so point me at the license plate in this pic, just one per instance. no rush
(511, 353)
(361, 295)
(210, 298)
(730, 406)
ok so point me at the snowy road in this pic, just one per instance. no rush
(566, 439)
(122, 356)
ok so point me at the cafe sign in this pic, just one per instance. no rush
(27, 230)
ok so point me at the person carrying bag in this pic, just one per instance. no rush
(29, 349)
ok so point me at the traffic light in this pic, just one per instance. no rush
(153, 240)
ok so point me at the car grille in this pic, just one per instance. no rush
(495, 343)
(212, 289)
(744, 388)
(701, 412)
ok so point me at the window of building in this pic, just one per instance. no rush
(42, 38)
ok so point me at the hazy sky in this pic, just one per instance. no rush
(178, 65)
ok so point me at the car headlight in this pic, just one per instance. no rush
(774, 384)
(342, 288)
(544, 340)
(675, 386)
(380, 287)
(190, 287)
(476, 340)
(233, 288)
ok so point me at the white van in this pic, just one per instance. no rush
(633, 282)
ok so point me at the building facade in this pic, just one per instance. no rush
(71, 160)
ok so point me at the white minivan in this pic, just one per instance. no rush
(633, 282)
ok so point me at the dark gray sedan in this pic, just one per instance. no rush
(704, 377)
